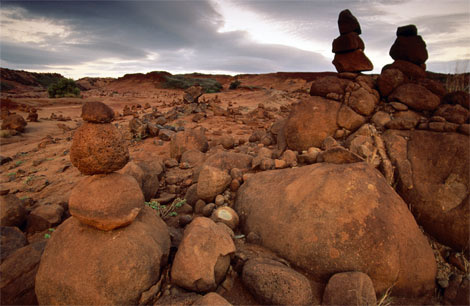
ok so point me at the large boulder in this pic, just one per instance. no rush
(106, 201)
(388, 80)
(273, 283)
(433, 178)
(190, 139)
(310, 122)
(328, 218)
(203, 256)
(12, 212)
(18, 273)
(14, 122)
(415, 96)
(145, 175)
(329, 84)
(98, 148)
(354, 61)
(229, 160)
(85, 266)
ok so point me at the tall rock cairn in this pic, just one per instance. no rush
(110, 251)
(409, 46)
(349, 47)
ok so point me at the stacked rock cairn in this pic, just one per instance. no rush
(349, 47)
(409, 46)
(111, 249)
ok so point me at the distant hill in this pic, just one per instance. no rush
(20, 80)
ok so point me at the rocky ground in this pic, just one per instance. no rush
(292, 189)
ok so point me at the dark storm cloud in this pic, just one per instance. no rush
(183, 35)
(133, 30)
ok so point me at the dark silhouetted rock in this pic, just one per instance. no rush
(409, 48)
(348, 23)
(408, 30)
(348, 42)
(355, 61)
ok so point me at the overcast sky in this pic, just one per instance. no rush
(112, 38)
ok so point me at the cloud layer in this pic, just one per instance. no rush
(107, 38)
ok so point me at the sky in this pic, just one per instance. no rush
(112, 38)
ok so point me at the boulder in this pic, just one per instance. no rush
(349, 119)
(329, 218)
(347, 23)
(190, 139)
(11, 239)
(354, 61)
(408, 30)
(433, 179)
(18, 273)
(338, 155)
(12, 212)
(416, 97)
(98, 148)
(348, 42)
(388, 80)
(310, 122)
(349, 288)
(409, 48)
(457, 97)
(106, 201)
(203, 256)
(97, 112)
(453, 113)
(14, 122)
(229, 160)
(273, 283)
(211, 182)
(145, 175)
(102, 268)
(363, 101)
(410, 70)
(43, 217)
(328, 84)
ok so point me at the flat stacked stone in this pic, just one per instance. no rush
(349, 47)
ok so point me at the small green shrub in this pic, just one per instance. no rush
(166, 210)
(235, 84)
(182, 82)
(63, 88)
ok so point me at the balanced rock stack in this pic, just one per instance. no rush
(349, 47)
(110, 251)
(409, 46)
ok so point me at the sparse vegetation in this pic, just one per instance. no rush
(386, 298)
(235, 84)
(182, 82)
(459, 80)
(166, 210)
(63, 88)
(47, 235)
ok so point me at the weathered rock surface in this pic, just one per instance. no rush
(415, 96)
(98, 148)
(14, 122)
(12, 212)
(433, 178)
(98, 267)
(310, 122)
(349, 288)
(44, 217)
(11, 240)
(18, 273)
(354, 61)
(97, 112)
(146, 175)
(190, 139)
(330, 218)
(211, 182)
(203, 256)
(273, 283)
(212, 298)
(106, 201)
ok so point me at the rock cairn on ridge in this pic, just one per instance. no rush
(409, 46)
(110, 251)
(349, 47)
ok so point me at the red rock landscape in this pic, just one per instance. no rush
(282, 189)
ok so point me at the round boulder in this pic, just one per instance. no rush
(84, 266)
(106, 201)
(12, 212)
(97, 112)
(349, 288)
(98, 149)
(329, 218)
(14, 122)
